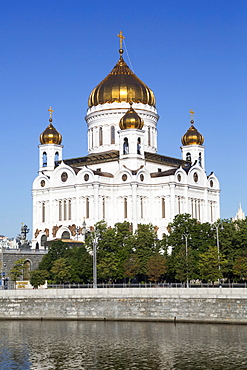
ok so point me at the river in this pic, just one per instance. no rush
(65, 345)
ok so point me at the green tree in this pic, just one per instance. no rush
(240, 267)
(61, 270)
(38, 277)
(131, 266)
(156, 267)
(211, 265)
(145, 244)
(113, 248)
(17, 270)
(199, 236)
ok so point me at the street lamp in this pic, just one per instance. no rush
(216, 226)
(186, 235)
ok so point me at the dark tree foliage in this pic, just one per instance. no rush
(77, 258)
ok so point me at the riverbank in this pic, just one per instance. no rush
(206, 305)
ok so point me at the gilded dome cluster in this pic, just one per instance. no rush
(50, 135)
(121, 85)
(192, 136)
(131, 120)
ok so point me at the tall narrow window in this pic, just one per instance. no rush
(92, 137)
(126, 146)
(100, 136)
(43, 240)
(43, 211)
(192, 208)
(87, 207)
(195, 208)
(56, 159)
(44, 159)
(200, 159)
(125, 208)
(199, 209)
(64, 210)
(211, 211)
(60, 210)
(188, 157)
(103, 208)
(179, 205)
(163, 208)
(69, 210)
(141, 207)
(139, 145)
(112, 135)
(149, 137)
(26, 270)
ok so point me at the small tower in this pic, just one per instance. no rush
(193, 149)
(50, 150)
(131, 136)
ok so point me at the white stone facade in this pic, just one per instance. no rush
(111, 183)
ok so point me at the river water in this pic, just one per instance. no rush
(65, 345)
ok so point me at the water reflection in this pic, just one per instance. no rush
(121, 346)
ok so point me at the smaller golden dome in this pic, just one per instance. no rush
(192, 136)
(131, 120)
(50, 135)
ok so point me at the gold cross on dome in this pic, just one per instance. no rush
(121, 38)
(50, 110)
(192, 114)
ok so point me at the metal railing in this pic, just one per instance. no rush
(145, 285)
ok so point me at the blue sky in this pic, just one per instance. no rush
(191, 53)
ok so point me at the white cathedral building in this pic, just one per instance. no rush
(122, 178)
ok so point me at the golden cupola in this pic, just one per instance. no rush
(131, 120)
(50, 135)
(192, 136)
(121, 85)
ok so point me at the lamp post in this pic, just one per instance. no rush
(216, 226)
(186, 236)
(95, 245)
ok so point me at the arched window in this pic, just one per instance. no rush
(149, 137)
(112, 135)
(92, 137)
(60, 210)
(65, 235)
(87, 207)
(26, 270)
(100, 136)
(188, 157)
(43, 240)
(44, 159)
(103, 208)
(141, 207)
(126, 146)
(139, 145)
(43, 211)
(64, 210)
(163, 208)
(56, 159)
(125, 208)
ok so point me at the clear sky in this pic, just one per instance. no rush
(191, 53)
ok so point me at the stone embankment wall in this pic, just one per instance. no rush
(218, 305)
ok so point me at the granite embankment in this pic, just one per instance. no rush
(217, 305)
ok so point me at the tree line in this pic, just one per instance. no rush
(190, 251)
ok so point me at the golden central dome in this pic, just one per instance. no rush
(50, 135)
(192, 136)
(131, 120)
(121, 85)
